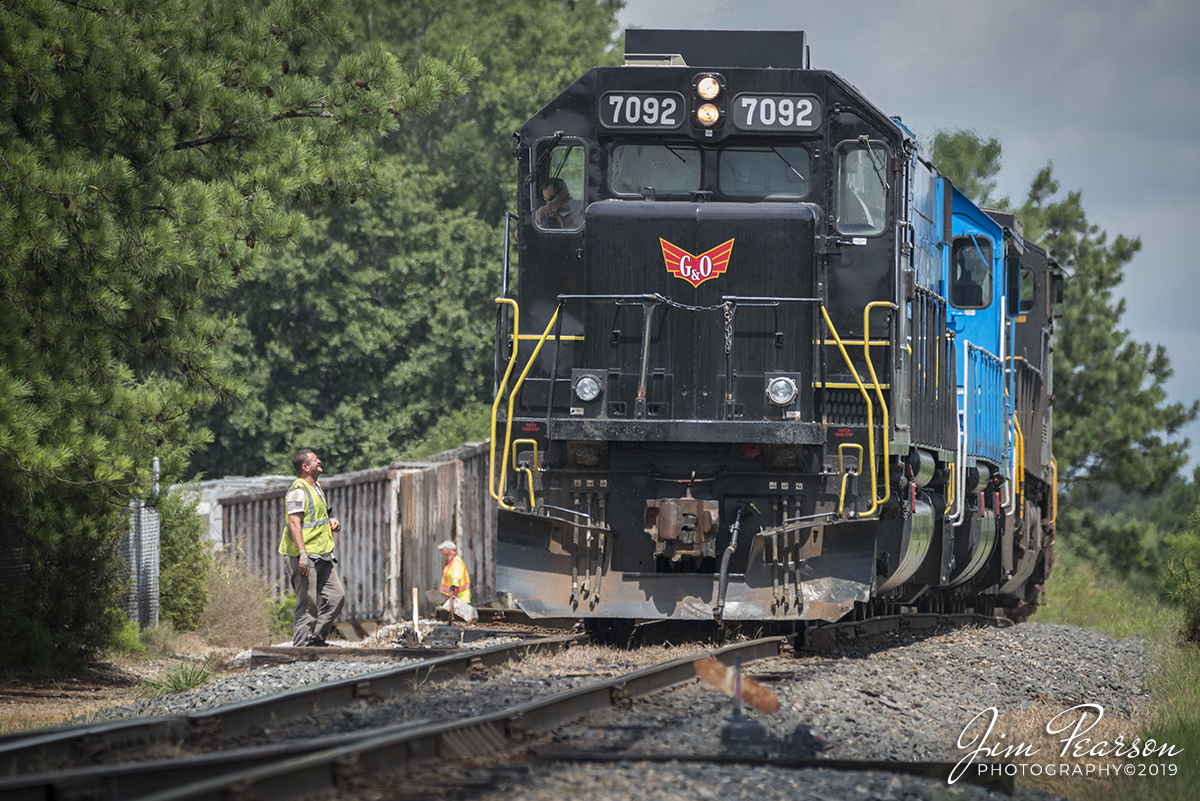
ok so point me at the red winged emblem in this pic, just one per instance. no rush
(696, 269)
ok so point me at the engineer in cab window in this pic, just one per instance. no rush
(560, 209)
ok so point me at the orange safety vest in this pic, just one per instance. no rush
(455, 575)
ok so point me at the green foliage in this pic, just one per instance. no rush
(1181, 586)
(472, 423)
(386, 325)
(374, 338)
(1112, 424)
(187, 676)
(1181, 578)
(183, 559)
(282, 610)
(530, 51)
(1169, 510)
(1119, 544)
(969, 161)
(1090, 595)
(128, 640)
(153, 153)
(76, 579)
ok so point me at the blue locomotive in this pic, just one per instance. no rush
(764, 362)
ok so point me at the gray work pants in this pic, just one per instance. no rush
(312, 623)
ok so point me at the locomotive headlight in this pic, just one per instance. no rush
(708, 87)
(708, 114)
(587, 388)
(781, 391)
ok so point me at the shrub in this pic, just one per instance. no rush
(1115, 543)
(1180, 583)
(239, 612)
(1181, 586)
(128, 641)
(183, 561)
(75, 583)
(185, 677)
(281, 615)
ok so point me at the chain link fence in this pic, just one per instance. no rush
(140, 552)
(14, 576)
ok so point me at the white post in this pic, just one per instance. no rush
(416, 631)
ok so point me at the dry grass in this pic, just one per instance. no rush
(1089, 774)
(28, 703)
(238, 614)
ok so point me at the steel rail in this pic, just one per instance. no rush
(478, 736)
(54, 748)
(993, 779)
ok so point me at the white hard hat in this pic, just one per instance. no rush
(448, 544)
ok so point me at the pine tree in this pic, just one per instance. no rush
(151, 152)
(398, 347)
(1112, 422)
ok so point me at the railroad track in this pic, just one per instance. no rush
(336, 762)
(56, 750)
(292, 769)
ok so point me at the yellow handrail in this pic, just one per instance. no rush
(1053, 491)
(1019, 469)
(512, 401)
(845, 475)
(887, 435)
(526, 470)
(512, 360)
(532, 442)
(866, 397)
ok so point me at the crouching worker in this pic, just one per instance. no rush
(456, 585)
(308, 545)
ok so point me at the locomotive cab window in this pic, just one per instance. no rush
(768, 173)
(558, 188)
(971, 272)
(1027, 289)
(861, 188)
(654, 171)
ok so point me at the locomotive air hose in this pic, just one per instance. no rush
(729, 550)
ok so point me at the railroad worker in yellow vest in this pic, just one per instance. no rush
(308, 545)
(455, 581)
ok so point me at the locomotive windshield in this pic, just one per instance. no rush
(654, 170)
(971, 272)
(861, 199)
(773, 173)
(558, 200)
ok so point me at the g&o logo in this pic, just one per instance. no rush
(696, 269)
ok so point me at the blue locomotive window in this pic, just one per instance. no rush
(653, 171)
(971, 272)
(862, 188)
(771, 173)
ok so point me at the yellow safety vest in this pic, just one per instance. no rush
(318, 534)
(455, 575)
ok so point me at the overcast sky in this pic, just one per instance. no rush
(1107, 90)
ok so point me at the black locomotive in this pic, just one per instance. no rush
(764, 361)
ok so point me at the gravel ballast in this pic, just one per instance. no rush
(901, 697)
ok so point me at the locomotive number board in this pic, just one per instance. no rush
(659, 110)
(777, 112)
